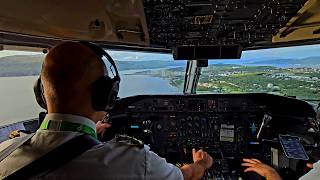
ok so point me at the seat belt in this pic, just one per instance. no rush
(8, 149)
(55, 158)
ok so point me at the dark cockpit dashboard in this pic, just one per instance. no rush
(227, 126)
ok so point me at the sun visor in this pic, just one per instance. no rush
(305, 26)
(116, 21)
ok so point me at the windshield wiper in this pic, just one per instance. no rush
(304, 99)
(191, 79)
(312, 100)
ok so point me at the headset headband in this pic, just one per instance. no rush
(101, 53)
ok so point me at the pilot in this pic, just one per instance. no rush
(254, 165)
(68, 73)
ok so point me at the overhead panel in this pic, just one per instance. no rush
(160, 24)
(249, 23)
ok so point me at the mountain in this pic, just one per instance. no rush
(313, 61)
(242, 61)
(134, 65)
(30, 65)
(20, 65)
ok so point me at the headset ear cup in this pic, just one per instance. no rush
(113, 94)
(100, 93)
(104, 93)
(38, 93)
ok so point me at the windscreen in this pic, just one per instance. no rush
(288, 71)
(141, 73)
(148, 73)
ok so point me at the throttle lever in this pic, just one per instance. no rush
(265, 120)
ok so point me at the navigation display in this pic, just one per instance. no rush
(292, 147)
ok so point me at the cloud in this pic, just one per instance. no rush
(5, 53)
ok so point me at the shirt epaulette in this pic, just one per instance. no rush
(129, 140)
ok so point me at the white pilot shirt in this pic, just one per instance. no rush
(313, 174)
(109, 160)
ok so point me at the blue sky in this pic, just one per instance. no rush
(12, 53)
(297, 52)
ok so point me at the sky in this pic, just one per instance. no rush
(297, 52)
(11, 53)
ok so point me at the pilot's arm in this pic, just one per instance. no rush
(314, 173)
(101, 127)
(254, 165)
(270, 173)
(202, 162)
(158, 168)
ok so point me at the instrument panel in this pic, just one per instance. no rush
(180, 124)
(225, 126)
(221, 22)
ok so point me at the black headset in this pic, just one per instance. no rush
(104, 90)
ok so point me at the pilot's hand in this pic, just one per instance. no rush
(254, 165)
(202, 162)
(101, 127)
(203, 158)
(309, 165)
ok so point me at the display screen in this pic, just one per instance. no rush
(292, 147)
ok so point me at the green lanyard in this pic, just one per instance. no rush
(67, 126)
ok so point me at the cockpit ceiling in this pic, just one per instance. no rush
(104, 20)
(162, 23)
(305, 25)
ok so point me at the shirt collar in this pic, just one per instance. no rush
(71, 118)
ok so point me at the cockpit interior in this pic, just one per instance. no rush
(236, 78)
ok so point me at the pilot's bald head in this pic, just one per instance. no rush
(68, 71)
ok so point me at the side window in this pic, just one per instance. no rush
(18, 72)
